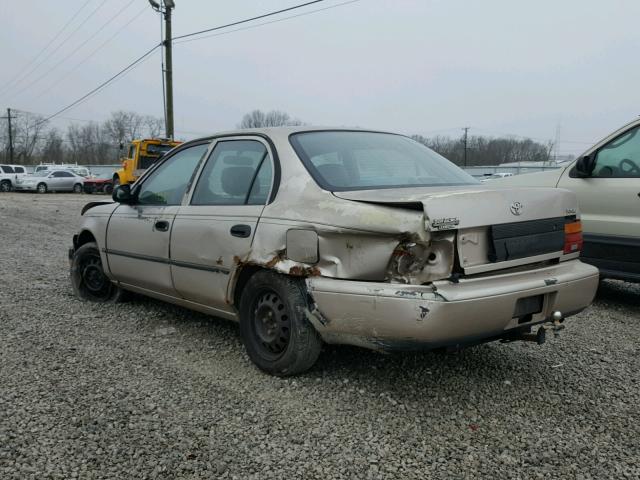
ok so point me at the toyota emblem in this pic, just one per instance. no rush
(516, 208)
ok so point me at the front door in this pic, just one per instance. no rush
(609, 201)
(137, 245)
(215, 229)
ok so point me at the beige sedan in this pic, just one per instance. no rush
(308, 235)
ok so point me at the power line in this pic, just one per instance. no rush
(269, 22)
(103, 84)
(96, 50)
(46, 47)
(93, 12)
(73, 52)
(146, 55)
(220, 27)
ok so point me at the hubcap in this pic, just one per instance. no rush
(271, 324)
(42, 188)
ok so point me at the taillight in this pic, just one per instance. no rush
(572, 237)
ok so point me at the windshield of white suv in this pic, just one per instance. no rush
(353, 160)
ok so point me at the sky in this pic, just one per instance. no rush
(547, 70)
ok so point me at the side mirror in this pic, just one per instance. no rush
(122, 194)
(585, 166)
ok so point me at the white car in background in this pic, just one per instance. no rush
(496, 175)
(606, 180)
(51, 181)
(8, 176)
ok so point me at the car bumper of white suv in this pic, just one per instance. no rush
(390, 316)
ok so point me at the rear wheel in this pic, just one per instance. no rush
(108, 189)
(77, 188)
(42, 188)
(273, 326)
(116, 181)
(88, 278)
(5, 186)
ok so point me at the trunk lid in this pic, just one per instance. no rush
(497, 228)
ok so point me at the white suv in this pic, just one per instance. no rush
(8, 176)
(606, 180)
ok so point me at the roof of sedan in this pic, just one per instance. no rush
(286, 131)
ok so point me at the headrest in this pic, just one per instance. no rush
(235, 180)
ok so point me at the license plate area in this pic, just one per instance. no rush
(527, 307)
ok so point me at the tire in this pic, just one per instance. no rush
(278, 337)
(5, 186)
(108, 189)
(77, 188)
(116, 181)
(88, 279)
(42, 188)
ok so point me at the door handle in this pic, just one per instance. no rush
(242, 231)
(162, 225)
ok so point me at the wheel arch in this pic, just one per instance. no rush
(239, 281)
(85, 236)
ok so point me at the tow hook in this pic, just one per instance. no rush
(557, 318)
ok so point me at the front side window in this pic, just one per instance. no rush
(168, 183)
(620, 158)
(19, 169)
(344, 160)
(237, 173)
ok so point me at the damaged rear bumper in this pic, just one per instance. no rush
(444, 314)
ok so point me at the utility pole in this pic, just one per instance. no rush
(168, 60)
(168, 6)
(466, 130)
(8, 117)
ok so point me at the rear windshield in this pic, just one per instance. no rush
(345, 160)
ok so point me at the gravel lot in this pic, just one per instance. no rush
(147, 390)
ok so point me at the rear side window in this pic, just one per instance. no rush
(238, 172)
(6, 169)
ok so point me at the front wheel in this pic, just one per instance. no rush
(88, 279)
(42, 188)
(77, 188)
(274, 329)
(5, 186)
(116, 181)
(108, 189)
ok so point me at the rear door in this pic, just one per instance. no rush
(610, 204)
(137, 245)
(217, 225)
(66, 180)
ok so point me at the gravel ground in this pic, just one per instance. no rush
(147, 390)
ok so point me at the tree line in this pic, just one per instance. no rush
(98, 143)
(93, 142)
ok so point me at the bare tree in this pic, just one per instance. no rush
(123, 126)
(153, 126)
(273, 118)
(28, 132)
(52, 149)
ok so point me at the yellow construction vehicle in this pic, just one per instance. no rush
(141, 155)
